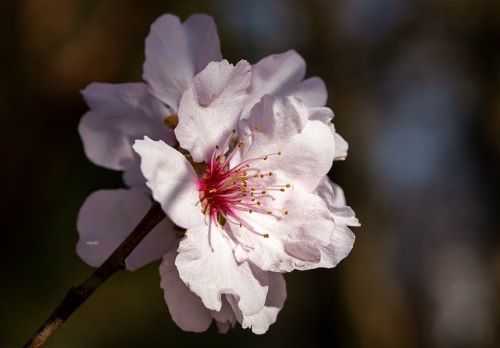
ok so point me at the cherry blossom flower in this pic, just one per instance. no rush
(185, 83)
(248, 197)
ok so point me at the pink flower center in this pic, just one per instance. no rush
(226, 192)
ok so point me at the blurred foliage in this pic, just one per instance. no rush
(415, 87)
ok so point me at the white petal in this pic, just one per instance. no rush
(260, 322)
(107, 217)
(132, 177)
(225, 318)
(118, 115)
(293, 240)
(333, 195)
(176, 52)
(341, 146)
(277, 73)
(172, 181)
(186, 309)
(281, 125)
(341, 239)
(208, 267)
(325, 115)
(312, 92)
(223, 327)
(211, 107)
(282, 75)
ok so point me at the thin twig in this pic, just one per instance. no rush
(80, 293)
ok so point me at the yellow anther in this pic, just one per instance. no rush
(212, 190)
(171, 121)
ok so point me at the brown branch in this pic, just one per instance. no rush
(77, 295)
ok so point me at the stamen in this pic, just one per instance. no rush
(228, 192)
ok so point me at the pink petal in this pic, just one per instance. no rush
(207, 265)
(282, 125)
(211, 107)
(260, 322)
(176, 52)
(118, 115)
(282, 75)
(172, 181)
(107, 217)
(186, 309)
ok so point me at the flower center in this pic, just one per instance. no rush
(226, 192)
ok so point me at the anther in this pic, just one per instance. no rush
(265, 235)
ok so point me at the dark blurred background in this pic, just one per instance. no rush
(416, 91)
